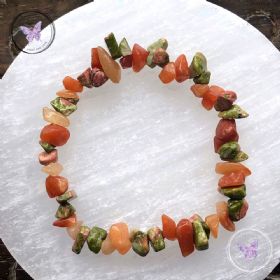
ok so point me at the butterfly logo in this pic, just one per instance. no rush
(32, 33)
(250, 252)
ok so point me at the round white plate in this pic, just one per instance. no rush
(140, 148)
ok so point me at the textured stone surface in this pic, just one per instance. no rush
(146, 147)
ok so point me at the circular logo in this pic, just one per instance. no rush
(32, 32)
(249, 250)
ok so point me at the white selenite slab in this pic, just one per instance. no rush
(139, 148)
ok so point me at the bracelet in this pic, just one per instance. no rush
(193, 232)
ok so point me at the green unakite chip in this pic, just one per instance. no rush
(112, 45)
(47, 147)
(156, 238)
(159, 44)
(198, 66)
(206, 228)
(238, 192)
(80, 239)
(95, 239)
(140, 243)
(200, 236)
(203, 78)
(124, 48)
(67, 196)
(241, 156)
(229, 150)
(63, 106)
(235, 112)
(65, 211)
(234, 208)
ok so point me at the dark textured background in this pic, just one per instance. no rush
(263, 14)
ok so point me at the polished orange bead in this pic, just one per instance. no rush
(72, 84)
(110, 67)
(210, 97)
(168, 227)
(226, 130)
(232, 179)
(167, 74)
(55, 135)
(56, 185)
(107, 247)
(199, 90)
(95, 59)
(139, 57)
(229, 167)
(212, 222)
(222, 213)
(119, 236)
(181, 68)
(67, 222)
(184, 232)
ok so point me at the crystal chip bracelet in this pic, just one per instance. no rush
(193, 232)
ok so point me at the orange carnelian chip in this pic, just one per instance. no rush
(199, 90)
(222, 213)
(181, 68)
(72, 84)
(119, 236)
(107, 247)
(56, 185)
(139, 57)
(55, 135)
(226, 130)
(212, 222)
(168, 227)
(167, 74)
(95, 59)
(67, 222)
(229, 167)
(206, 103)
(232, 179)
(210, 97)
(184, 233)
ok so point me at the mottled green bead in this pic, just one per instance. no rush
(112, 46)
(206, 228)
(140, 243)
(63, 106)
(46, 146)
(65, 210)
(238, 192)
(241, 156)
(95, 239)
(200, 236)
(235, 112)
(67, 196)
(234, 208)
(198, 65)
(229, 150)
(203, 78)
(156, 238)
(80, 239)
(159, 44)
(124, 48)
